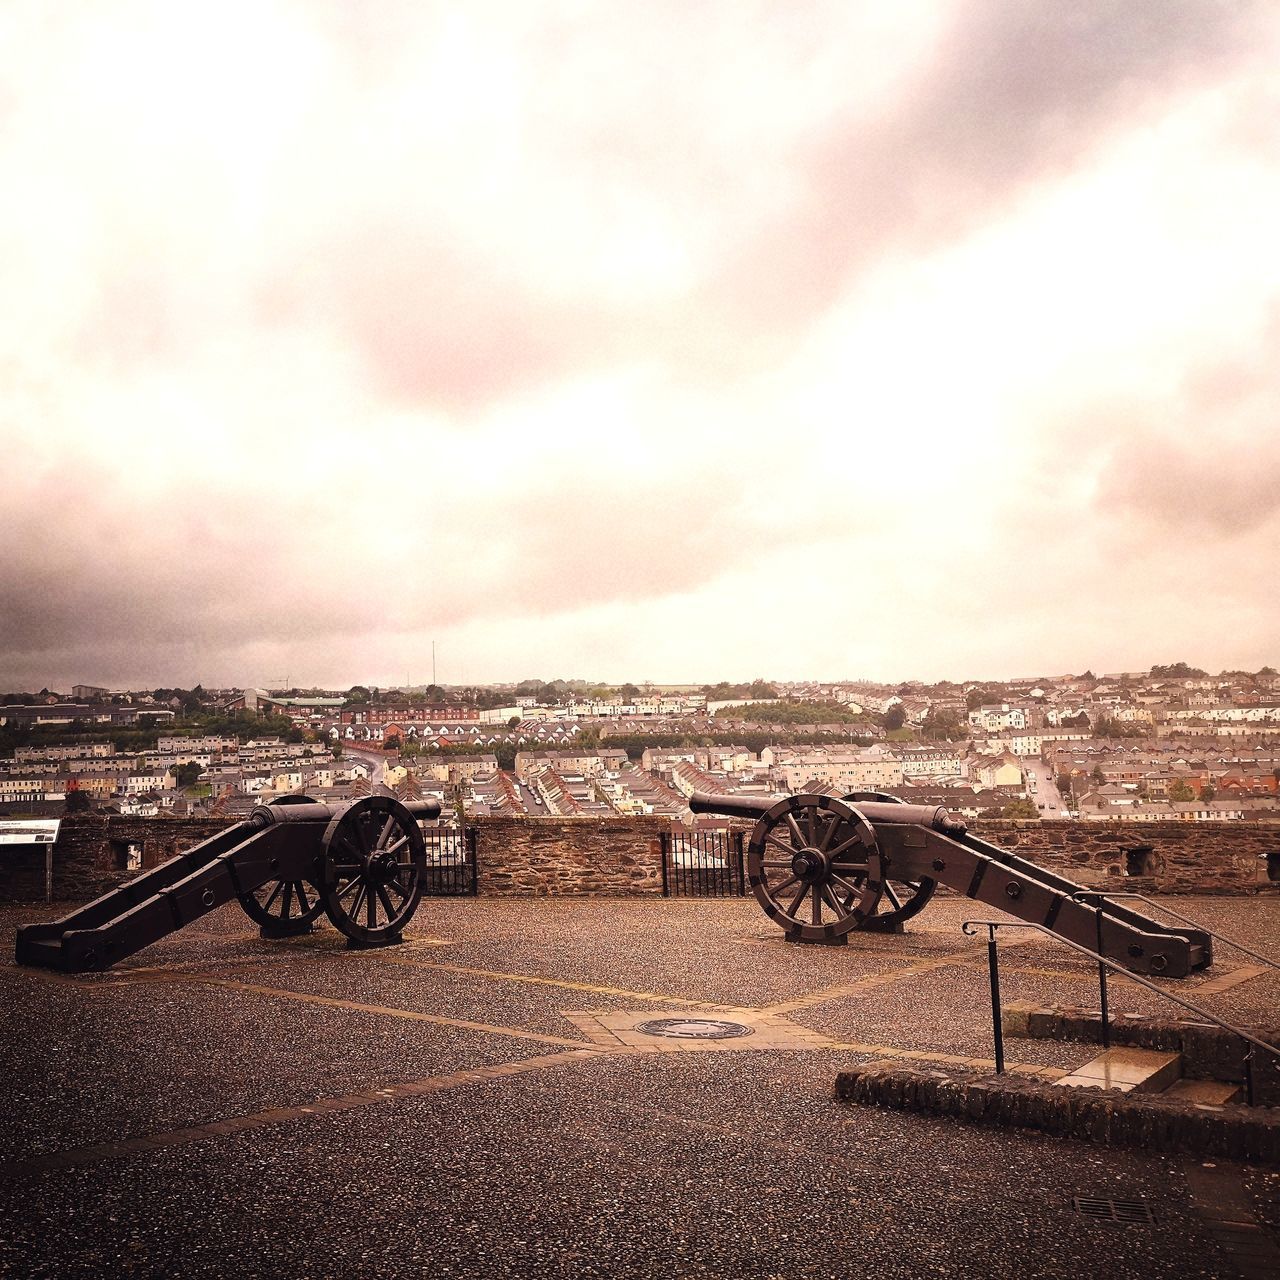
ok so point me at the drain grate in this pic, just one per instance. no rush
(693, 1028)
(1113, 1210)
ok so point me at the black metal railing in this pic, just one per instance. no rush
(452, 862)
(970, 928)
(703, 864)
(1177, 915)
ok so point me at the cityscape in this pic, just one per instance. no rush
(1169, 743)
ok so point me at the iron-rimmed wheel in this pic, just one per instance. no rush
(284, 908)
(902, 899)
(814, 867)
(371, 869)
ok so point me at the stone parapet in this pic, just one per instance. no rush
(550, 857)
(1185, 857)
(518, 857)
(556, 856)
(92, 854)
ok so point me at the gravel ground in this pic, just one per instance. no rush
(707, 1164)
(115, 1062)
(689, 1165)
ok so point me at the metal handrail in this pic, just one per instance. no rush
(1103, 965)
(1177, 915)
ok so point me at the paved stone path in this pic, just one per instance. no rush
(484, 1100)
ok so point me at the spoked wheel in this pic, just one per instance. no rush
(283, 908)
(814, 867)
(902, 899)
(372, 869)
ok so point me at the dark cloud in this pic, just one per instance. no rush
(241, 567)
(450, 318)
(1194, 491)
(436, 323)
(1204, 462)
(1013, 93)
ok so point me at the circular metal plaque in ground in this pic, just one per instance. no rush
(693, 1028)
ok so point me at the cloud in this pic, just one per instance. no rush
(1208, 466)
(1011, 94)
(693, 341)
(307, 562)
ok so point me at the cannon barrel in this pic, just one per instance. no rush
(936, 817)
(266, 815)
(750, 807)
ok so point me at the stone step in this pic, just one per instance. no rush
(1215, 1093)
(1127, 1070)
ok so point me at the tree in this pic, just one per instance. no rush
(1063, 783)
(894, 718)
(1109, 727)
(357, 694)
(391, 742)
(1180, 792)
(790, 711)
(78, 801)
(1098, 776)
(1020, 808)
(942, 726)
(982, 694)
(1177, 671)
(336, 748)
(512, 721)
(187, 775)
(1208, 792)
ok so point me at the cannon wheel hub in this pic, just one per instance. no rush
(810, 864)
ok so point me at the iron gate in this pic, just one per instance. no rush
(702, 864)
(452, 869)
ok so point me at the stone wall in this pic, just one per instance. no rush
(91, 853)
(1186, 857)
(526, 857)
(559, 856)
(533, 857)
(1145, 1121)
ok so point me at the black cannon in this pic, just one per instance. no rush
(822, 868)
(361, 863)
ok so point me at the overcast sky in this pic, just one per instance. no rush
(662, 341)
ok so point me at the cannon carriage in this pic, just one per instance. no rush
(823, 868)
(361, 864)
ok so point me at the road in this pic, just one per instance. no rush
(1046, 792)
